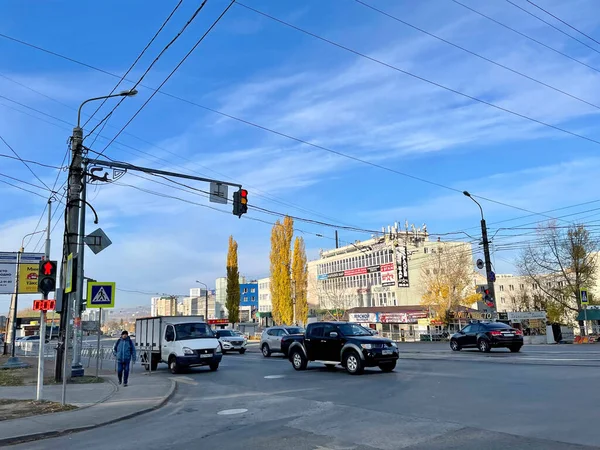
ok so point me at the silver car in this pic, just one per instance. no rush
(230, 341)
(270, 340)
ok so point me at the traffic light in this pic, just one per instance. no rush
(240, 202)
(47, 277)
(486, 296)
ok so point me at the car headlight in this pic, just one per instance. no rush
(367, 346)
(188, 351)
(218, 349)
(394, 344)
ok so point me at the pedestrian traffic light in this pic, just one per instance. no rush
(240, 202)
(47, 277)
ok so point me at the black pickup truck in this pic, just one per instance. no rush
(348, 344)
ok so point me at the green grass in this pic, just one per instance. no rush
(11, 377)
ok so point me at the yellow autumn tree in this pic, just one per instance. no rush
(281, 286)
(232, 301)
(300, 280)
(447, 280)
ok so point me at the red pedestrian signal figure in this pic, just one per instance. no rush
(47, 277)
(240, 202)
(49, 268)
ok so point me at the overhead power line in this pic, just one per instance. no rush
(278, 133)
(553, 26)
(24, 162)
(174, 70)
(165, 22)
(22, 188)
(419, 77)
(526, 36)
(491, 61)
(32, 162)
(562, 21)
(162, 52)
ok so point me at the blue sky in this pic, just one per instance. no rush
(258, 70)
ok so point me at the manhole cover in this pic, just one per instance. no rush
(229, 412)
(270, 377)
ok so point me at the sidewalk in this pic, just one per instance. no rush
(100, 404)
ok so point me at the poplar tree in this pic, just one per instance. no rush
(232, 301)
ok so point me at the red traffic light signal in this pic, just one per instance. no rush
(47, 276)
(48, 268)
(240, 202)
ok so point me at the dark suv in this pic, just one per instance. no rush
(348, 344)
(487, 335)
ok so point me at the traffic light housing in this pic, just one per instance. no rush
(486, 295)
(240, 202)
(47, 276)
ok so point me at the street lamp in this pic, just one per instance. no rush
(14, 361)
(486, 251)
(206, 301)
(74, 239)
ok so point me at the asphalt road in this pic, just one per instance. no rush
(425, 404)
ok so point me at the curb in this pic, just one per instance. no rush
(53, 434)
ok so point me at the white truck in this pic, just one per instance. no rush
(180, 342)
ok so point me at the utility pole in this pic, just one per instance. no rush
(490, 276)
(294, 299)
(41, 356)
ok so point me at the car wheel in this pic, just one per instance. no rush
(242, 351)
(173, 366)
(330, 366)
(387, 367)
(515, 348)
(266, 351)
(353, 363)
(484, 346)
(214, 367)
(454, 345)
(153, 363)
(298, 360)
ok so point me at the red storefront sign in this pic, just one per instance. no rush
(218, 321)
(352, 272)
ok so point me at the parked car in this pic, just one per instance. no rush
(348, 344)
(485, 336)
(270, 340)
(230, 340)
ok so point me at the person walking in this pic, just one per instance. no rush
(124, 350)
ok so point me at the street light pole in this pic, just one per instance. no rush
(206, 300)
(76, 179)
(486, 252)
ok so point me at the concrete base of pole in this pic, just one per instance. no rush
(14, 363)
(77, 371)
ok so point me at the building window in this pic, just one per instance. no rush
(252, 298)
(511, 287)
(502, 300)
(245, 290)
(522, 287)
(425, 250)
(252, 290)
(501, 287)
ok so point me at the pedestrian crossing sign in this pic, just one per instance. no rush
(101, 294)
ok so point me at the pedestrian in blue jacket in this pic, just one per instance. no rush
(124, 350)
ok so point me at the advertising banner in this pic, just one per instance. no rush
(8, 273)
(363, 317)
(388, 275)
(28, 278)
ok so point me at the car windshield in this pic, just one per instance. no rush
(226, 333)
(186, 331)
(352, 329)
(295, 330)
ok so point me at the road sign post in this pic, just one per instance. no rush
(585, 301)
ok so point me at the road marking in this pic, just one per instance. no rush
(272, 377)
(185, 380)
(229, 412)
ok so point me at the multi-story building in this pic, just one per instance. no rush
(383, 271)
(165, 306)
(265, 306)
(195, 304)
(221, 295)
(248, 301)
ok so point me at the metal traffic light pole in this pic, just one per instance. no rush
(41, 356)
